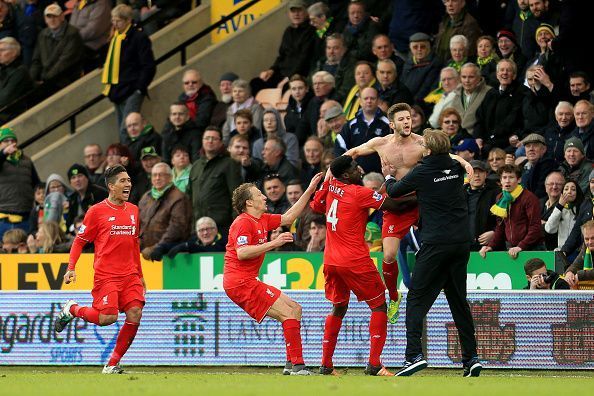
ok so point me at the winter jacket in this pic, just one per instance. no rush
(561, 222)
(200, 105)
(188, 135)
(468, 112)
(93, 23)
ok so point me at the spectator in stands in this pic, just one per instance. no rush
(294, 191)
(559, 131)
(324, 23)
(239, 150)
(339, 64)
(15, 241)
(93, 21)
(219, 113)
(585, 213)
(583, 113)
(10, 20)
(537, 165)
(421, 69)
(576, 166)
(579, 87)
(449, 122)
(458, 52)
(383, 49)
(545, 56)
(119, 154)
(390, 90)
(242, 99)
(317, 233)
(181, 167)
(375, 181)
(30, 20)
(312, 153)
(364, 78)
(518, 227)
(18, 177)
(496, 160)
(419, 120)
(275, 189)
(539, 278)
(413, 16)
(85, 194)
(458, 21)
(94, 163)
(142, 181)
(275, 161)
(537, 103)
(335, 120)
(524, 27)
(141, 134)
(55, 203)
(36, 215)
(57, 57)
(541, 12)
(199, 98)
(467, 149)
(213, 178)
(48, 239)
(298, 101)
(323, 89)
(563, 216)
(469, 96)
(207, 239)
(499, 116)
(295, 52)
(15, 80)
(165, 215)
(129, 66)
(360, 31)
(481, 194)
(577, 271)
(443, 96)
(487, 58)
(244, 126)
(369, 123)
(272, 126)
(508, 48)
(180, 129)
(323, 130)
(553, 187)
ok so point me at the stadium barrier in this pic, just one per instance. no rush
(286, 271)
(532, 330)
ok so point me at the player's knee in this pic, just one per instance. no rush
(134, 314)
(106, 320)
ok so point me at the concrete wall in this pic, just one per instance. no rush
(247, 53)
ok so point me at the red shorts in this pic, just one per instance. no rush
(398, 225)
(118, 295)
(254, 297)
(364, 281)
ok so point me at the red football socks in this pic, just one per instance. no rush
(331, 330)
(125, 338)
(390, 271)
(378, 329)
(288, 352)
(89, 314)
(292, 330)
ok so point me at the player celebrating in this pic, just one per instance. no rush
(347, 265)
(401, 150)
(248, 242)
(112, 225)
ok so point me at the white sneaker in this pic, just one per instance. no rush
(64, 316)
(112, 369)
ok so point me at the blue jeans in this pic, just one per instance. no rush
(410, 243)
(5, 225)
(131, 104)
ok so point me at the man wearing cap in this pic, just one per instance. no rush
(140, 134)
(180, 129)
(469, 96)
(199, 98)
(18, 177)
(576, 166)
(219, 112)
(468, 149)
(14, 77)
(295, 52)
(334, 120)
(421, 69)
(481, 194)
(85, 194)
(508, 48)
(57, 55)
(537, 165)
(148, 158)
(456, 21)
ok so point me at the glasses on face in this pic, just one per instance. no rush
(205, 229)
(449, 122)
(211, 138)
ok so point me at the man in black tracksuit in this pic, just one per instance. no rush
(441, 263)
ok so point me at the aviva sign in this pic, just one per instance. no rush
(221, 8)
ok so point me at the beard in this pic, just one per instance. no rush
(226, 98)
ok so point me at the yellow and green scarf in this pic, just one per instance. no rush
(501, 208)
(588, 260)
(111, 68)
(156, 194)
(321, 32)
(352, 102)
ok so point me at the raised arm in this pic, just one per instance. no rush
(250, 251)
(465, 164)
(366, 148)
(294, 211)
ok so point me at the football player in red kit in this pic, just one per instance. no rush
(118, 285)
(347, 264)
(248, 242)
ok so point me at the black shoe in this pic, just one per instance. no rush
(288, 368)
(300, 369)
(409, 368)
(472, 368)
(328, 371)
(377, 371)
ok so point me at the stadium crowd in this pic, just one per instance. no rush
(508, 82)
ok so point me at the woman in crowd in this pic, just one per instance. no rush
(48, 239)
(487, 58)
(242, 99)
(458, 52)
(450, 122)
(562, 219)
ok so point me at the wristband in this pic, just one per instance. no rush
(389, 177)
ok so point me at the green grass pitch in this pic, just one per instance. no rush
(223, 381)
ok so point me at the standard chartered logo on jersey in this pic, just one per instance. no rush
(122, 230)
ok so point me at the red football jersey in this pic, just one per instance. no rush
(114, 231)
(246, 230)
(347, 208)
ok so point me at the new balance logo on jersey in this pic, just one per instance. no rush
(269, 292)
(112, 218)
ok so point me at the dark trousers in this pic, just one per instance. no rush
(439, 267)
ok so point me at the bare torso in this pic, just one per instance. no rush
(402, 153)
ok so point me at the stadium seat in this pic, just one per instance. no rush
(269, 97)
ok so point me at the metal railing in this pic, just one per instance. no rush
(181, 49)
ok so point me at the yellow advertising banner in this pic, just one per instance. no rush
(46, 272)
(221, 8)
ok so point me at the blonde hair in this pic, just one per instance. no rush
(437, 141)
(53, 235)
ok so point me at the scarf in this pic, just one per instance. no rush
(321, 32)
(588, 259)
(181, 179)
(352, 102)
(525, 15)
(82, 4)
(15, 157)
(146, 130)
(111, 68)
(501, 208)
(156, 194)
(457, 65)
(435, 95)
(482, 62)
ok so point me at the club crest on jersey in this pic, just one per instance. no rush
(111, 218)
(242, 240)
(377, 196)
(391, 228)
(104, 300)
(132, 219)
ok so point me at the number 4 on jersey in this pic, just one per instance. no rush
(332, 217)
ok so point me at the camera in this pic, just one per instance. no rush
(549, 277)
